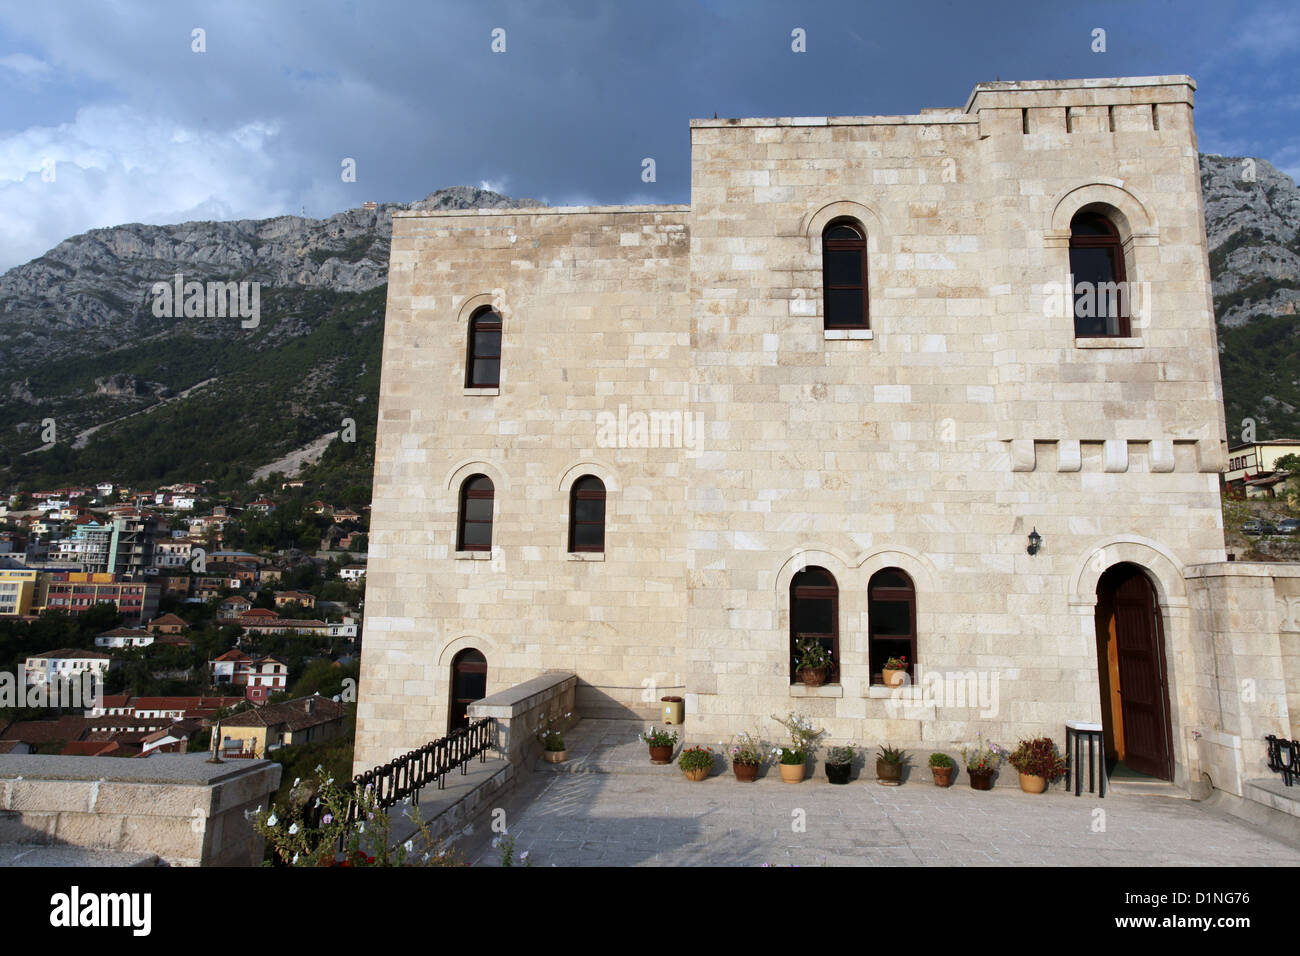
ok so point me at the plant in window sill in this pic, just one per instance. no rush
(894, 672)
(813, 662)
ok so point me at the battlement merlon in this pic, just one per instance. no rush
(1174, 90)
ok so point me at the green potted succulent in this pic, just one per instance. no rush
(982, 763)
(1038, 762)
(661, 743)
(696, 762)
(839, 763)
(941, 765)
(746, 756)
(889, 765)
(813, 662)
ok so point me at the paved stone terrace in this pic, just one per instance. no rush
(608, 806)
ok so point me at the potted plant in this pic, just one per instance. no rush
(941, 766)
(894, 672)
(1038, 762)
(551, 736)
(661, 744)
(793, 763)
(889, 766)
(813, 663)
(793, 759)
(746, 756)
(982, 763)
(839, 763)
(696, 762)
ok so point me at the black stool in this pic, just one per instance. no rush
(1075, 732)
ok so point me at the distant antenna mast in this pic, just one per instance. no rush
(304, 212)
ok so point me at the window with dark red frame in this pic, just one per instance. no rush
(844, 276)
(587, 515)
(815, 615)
(1101, 306)
(483, 366)
(891, 621)
(475, 527)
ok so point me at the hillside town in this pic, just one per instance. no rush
(186, 611)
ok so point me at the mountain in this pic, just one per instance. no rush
(1252, 221)
(135, 397)
(138, 397)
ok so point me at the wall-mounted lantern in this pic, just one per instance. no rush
(1035, 542)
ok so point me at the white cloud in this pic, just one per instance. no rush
(24, 65)
(114, 165)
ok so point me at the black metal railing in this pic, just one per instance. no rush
(407, 775)
(1284, 757)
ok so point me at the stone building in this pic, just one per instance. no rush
(941, 386)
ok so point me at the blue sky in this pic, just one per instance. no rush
(140, 128)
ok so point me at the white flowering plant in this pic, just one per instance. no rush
(802, 735)
(334, 840)
(550, 732)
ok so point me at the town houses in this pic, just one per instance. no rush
(201, 623)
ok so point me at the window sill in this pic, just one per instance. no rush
(830, 335)
(473, 555)
(480, 391)
(1109, 342)
(826, 690)
(585, 556)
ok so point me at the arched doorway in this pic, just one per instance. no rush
(468, 684)
(1134, 674)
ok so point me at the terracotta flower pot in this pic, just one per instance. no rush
(813, 676)
(839, 772)
(696, 775)
(1032, 783)
(661, 755)
(889, 774)
(893, 678)
(942, 776)
(555, 756)
(746, 772)
(792, 772)
(981, 779)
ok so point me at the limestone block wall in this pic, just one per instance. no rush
(1247, 614)
(181, 808)
(595, 334)
(967, 415)
(970, 414)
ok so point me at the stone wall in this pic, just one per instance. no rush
(179, 807)
(1247, 614)
(967, 415)
(521, 709)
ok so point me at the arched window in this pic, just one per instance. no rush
(891, 619)
(587, 515)
(1101, 304)
(483, 365)
(815, 615)
(844, 275)
(475, 531)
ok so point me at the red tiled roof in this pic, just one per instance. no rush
(168, 620)
(234, 654)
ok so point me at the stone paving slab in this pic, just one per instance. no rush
(652, 816)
